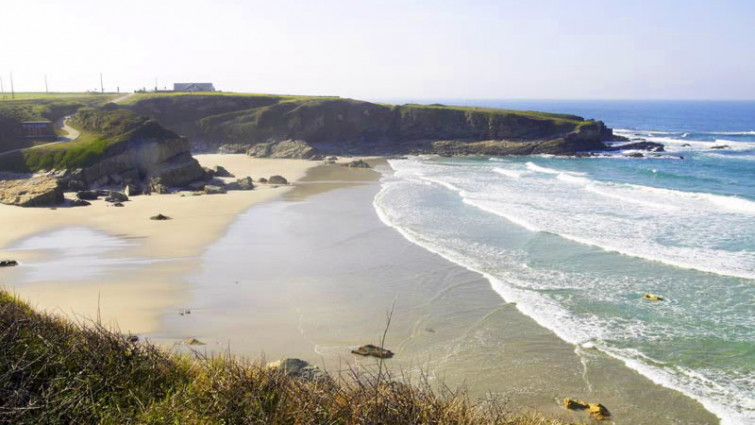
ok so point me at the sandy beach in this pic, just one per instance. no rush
(135, 299)
(312, 275)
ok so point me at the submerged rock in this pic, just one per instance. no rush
(374, 351)
(297, 368)
(652, 297)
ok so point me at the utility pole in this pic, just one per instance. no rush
(46, 91)
(2, 88)
(102, 87)
(12, 90)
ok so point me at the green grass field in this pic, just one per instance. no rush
(284, 97)
(54, 95)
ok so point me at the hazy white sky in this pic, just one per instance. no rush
(575, 49)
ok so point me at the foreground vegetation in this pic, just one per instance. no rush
(56, 372)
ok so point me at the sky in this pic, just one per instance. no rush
(408, 49)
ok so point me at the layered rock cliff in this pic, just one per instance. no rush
(137, 149)
(343, 126)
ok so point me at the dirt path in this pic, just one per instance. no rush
(122, 98)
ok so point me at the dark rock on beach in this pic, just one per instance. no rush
(374, 351)
(213, 190)
(115, 197)
(87, 195)
(220, 171)
(277, 180)
(8, 263)
(357, 164)
(159, 217)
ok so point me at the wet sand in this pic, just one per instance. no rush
(134, 296)
(314, 275)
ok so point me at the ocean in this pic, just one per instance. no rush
(577, 242)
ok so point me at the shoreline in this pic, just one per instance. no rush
(297, 332)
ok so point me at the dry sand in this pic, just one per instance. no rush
(134, 301)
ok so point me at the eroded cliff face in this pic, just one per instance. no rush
(140, 160)
(349, 126)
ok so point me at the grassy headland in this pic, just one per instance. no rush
(343, 126)
(57, 372)
(101, 129)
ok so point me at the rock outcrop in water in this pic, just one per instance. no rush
(268, 124)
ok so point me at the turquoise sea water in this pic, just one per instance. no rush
(576, 242)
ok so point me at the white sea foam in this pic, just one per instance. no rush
(515, 174)
(727, 403)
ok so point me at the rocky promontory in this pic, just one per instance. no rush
(302, 127)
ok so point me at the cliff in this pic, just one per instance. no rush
(344, 126)
(116, 146)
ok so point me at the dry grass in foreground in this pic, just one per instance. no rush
(56, 372)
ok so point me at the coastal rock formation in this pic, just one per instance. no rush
(38, 191)
(292, 149)
(220, 171)
(124, 148)
(274, 126)
(374, 351)
(213, 190)
(652, 297)
(300, 369)
(245, 183)
(357, 164)
(277, 180)
(114, 197)
(88, 195)
(159, 217)
(597, 410)
(640, 146)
